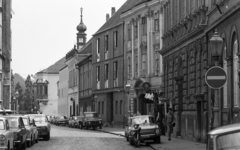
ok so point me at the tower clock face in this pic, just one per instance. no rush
(80, 40)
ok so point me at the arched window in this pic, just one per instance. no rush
(225, 69)
(235, 73)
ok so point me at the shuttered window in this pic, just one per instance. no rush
(225, 86)
(235, 74)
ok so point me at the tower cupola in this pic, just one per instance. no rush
(81, 27)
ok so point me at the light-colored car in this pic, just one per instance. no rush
(43, 125)
(149, 129)
(32, 133)
(6, 136)
(224, 138)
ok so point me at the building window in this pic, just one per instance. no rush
(77, 110)
(120, 107)
(106, 72)
(98, 45)
(102, 107)
(98, 73)
(70, 110)
(144, 26)
(99, 107)
(156, 22)
(115, 70)
(129, 32)
(115, 39)
(225, 85)
(135, 29)
(106, 43)
(157, 64)
(116, 107)
(129, 67)
(136, 65)
(235, 74)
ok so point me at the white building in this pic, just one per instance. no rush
(63, 91)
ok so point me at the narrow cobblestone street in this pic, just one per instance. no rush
(64, 138)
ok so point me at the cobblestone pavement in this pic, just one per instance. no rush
(64, 138)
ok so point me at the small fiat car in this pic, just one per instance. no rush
(43, 125)
(31, 131)
(224, 138)
(90, 120)
(6, 136)
(149, 129)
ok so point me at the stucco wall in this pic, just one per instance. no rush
(63, 92)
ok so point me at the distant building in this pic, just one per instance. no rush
(19, 79)
(71, 60)
(46, 88)
(63, 91)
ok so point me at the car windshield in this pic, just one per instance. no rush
(39, 118)
(63, 117)
(13, 122)
(89, 115)
(2, 125)
(142, 120)
(229, 141)
(25, 121)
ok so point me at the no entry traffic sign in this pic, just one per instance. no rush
(216, 77)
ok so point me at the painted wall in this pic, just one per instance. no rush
(51, 108)
(63, 92)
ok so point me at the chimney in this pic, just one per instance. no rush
(113, 11)
(107, 17)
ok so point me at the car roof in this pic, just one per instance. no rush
(12, 116)
(36, 115)
(90, 112)
(225, 129)
(140, 116)
(2, 118)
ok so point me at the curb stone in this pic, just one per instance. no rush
(122, 136)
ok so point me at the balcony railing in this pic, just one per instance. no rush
(41, 97)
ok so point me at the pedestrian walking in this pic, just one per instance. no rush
(170, 122)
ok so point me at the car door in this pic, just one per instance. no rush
(11, 136)
(23, 129)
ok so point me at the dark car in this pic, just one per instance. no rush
(62, 120)
(149, 129)
(72, 121)
(18, 128)
(43, 125)
(32, 133)
(90, 120)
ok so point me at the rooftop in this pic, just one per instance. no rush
(55, 68)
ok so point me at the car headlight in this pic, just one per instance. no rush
(2, 138)
(157, 131)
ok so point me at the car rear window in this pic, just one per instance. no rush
(13, 122)
(25, 121)
(39, 118)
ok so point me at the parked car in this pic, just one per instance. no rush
(6, 136)
(32, 133)
(224, 138)
(18, 128)
(43, 125)
(54, 121)
(71, 121)
(149, 129)
(61, 120)
(90, 120)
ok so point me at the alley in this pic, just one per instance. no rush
(64, 138)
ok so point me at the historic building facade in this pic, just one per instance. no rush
(143, 31)
(84, 66)
(108, 68)
(185, 62)
(224, 17)
(71, 60)
(63, 91)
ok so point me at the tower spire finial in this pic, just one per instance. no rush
(81, 9)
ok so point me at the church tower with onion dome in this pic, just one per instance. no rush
(81, 35)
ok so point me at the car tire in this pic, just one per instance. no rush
(94, 128)
(80, 126)
(157, 140)
(127, 138)
(131, 142)
(47, 137)
(36, 140)
(100, 127)
(24, 145)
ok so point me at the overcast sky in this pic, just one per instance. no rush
(43, 31)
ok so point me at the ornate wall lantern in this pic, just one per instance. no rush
(216, 43)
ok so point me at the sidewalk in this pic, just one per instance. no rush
(175, 144)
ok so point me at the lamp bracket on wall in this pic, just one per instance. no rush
(219, 9)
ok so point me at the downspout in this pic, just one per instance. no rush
(124, 115)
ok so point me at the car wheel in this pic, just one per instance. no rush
(47, 137)
(24, 145)
(157, 140)
(127, 138)
(131, 142)
(36, 140)
(29, 143)
(87, 128)
(94, 128)
(80, 126)
(100, 127)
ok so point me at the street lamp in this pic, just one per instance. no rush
(216, 43)
(16, 95)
